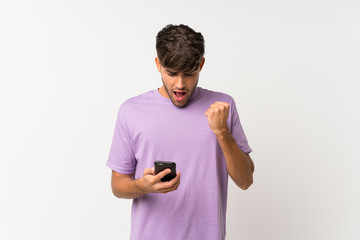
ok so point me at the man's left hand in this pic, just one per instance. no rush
(217, 115)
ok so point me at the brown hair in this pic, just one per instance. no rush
(180, 48)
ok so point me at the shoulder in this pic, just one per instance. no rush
(213, 96)
(137, 102)
(209, 97)
(147, 96)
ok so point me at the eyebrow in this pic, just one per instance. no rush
(176, 72)
(171, 72)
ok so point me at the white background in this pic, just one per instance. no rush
(292, 67)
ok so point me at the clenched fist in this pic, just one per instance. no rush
(217, 115)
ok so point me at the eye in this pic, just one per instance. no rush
(171, 73)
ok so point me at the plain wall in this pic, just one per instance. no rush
(291, 66)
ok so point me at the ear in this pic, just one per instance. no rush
(202, 63)
(158, 65)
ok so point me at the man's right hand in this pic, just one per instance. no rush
(151, 183)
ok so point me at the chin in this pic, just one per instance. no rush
(181, 105)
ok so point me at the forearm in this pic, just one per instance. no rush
(239, 165)
(123, 186)
(126, 187)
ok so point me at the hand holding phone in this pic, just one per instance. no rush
(162, 165)
(159, 182)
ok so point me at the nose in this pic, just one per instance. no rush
(180, 82)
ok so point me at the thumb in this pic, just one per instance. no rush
(149, 171)
(163, 173)
(207, 113)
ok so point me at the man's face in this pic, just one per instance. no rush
(178, 86)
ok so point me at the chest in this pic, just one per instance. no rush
(172, 129)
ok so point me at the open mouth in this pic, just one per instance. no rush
(179, 96)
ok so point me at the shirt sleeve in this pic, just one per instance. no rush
(237, 130)
(121, 157)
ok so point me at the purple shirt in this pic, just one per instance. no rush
(149, 128)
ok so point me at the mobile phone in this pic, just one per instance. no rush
(162, 165)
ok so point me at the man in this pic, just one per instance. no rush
(197, 129)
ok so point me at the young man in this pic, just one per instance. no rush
(197, 129)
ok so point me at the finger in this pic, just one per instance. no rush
(176, 184)
(163, 173)
(175, 187)
(175, 180)
(217, 107)
(212, 109)
(149, 171)
(171, 185)
(222, 103)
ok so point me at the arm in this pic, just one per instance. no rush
(239, 165)
(124, 186)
